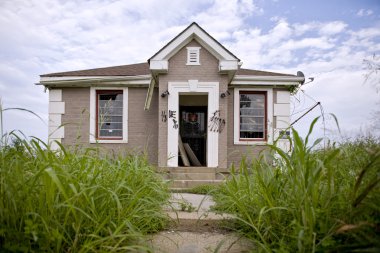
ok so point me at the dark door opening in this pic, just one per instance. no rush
(193, 131)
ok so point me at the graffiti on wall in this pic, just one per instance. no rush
(216, 122)
(164, 117)
(172, 115)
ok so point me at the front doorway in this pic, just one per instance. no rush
(193, 130)
(190, 106)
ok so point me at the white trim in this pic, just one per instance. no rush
(55, 95)
(269, 109)
(93, 115)
(283, 97)
(281, 110)
(56, 132)
(159, 61)
(268, 78)
(56, 107)
(194, 32)
(192, 86)
(92, 78)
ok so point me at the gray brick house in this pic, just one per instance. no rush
(190, 104)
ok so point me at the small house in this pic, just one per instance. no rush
(190, 105)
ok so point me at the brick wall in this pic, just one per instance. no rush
(142, 125)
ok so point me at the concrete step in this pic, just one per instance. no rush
(191, 170)
(191, 176)
(186, 184)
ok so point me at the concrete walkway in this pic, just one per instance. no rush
(196, 229)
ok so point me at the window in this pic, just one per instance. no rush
(108, 115)
(109, 121)
(193, 55)
(252, 115)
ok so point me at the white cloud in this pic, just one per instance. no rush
(332, 28)
(364, 12)
(42, 36)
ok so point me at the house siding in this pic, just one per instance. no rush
(178, 71)
(142, 125)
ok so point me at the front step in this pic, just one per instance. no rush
(187, 184)
(189, 177)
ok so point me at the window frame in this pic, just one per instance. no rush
(268, 117)
(94, 138)
(265, 135)
(97, 133)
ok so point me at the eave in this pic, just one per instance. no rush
(88, 81)
(240, 80)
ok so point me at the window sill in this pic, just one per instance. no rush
(251, 143)
(108, 141)
(193, 64)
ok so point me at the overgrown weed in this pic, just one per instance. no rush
(76, 201)
(308, 200)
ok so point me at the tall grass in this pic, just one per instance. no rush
(75, 201)
(309, 200)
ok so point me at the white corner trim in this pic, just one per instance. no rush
(56, 132)
(56, 107)
(283, 97)
(212, 90)
(281, 110)
(269, 105)
(93, 115)
(55, 95)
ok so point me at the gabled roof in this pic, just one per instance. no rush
(194, 24)
(140, 69)
(228, 62)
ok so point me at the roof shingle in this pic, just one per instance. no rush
(143, 69)
(123, 70)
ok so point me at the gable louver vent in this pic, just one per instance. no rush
(193, 56)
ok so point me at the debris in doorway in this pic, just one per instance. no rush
(193, 158)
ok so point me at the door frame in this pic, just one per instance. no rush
(192, 86)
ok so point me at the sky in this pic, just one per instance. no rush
(326, 40)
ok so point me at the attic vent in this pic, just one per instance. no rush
(193, 56)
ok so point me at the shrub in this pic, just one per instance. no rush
(309, 200)
(76, 201)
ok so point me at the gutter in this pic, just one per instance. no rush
(76, 81)
(240, 80)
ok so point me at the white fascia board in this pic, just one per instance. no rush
(269, 78)
(203, 38)
(262, 83)
(228, 65)
(140, 81)
(92, 78)
(159, 65)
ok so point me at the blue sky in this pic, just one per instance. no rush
(327, 40)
